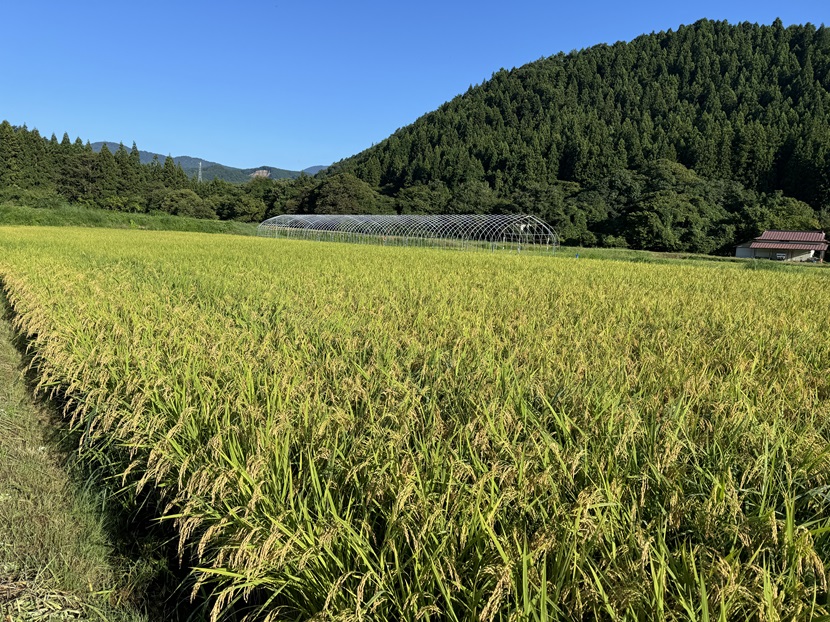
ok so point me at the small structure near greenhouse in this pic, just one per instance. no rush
(513, 232)
(785, 246)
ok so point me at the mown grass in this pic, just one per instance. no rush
(77, 216)
(56, 555)
(355, 432)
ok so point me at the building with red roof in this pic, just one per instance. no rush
(785, 246)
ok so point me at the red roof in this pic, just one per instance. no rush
(790, 246)
(791, 236)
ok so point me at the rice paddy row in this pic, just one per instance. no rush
(383, 433)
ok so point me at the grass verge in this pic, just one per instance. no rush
(56, 557)
(75, 216)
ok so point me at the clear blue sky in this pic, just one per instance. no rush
(291, 84)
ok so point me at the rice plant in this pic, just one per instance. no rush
(380, 433)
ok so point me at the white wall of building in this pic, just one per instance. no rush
(766, 253)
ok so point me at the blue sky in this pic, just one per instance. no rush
(292, 85)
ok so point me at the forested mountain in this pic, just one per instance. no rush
(210, 170)
(313, 170)
(683, 140)
(688, 140)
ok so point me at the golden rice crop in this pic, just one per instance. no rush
(379, 433)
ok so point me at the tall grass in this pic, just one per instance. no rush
(79, 216)
(406, 434)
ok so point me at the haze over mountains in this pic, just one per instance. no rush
(214, 170)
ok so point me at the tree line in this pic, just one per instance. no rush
(44, 172)
(689, 140)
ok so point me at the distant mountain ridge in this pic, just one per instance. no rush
(215, 170)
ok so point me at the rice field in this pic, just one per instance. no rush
(344, 432)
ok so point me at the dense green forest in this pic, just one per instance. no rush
(688, 140)
(685, 140)
(41, 172)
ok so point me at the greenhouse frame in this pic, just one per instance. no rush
(513, 232)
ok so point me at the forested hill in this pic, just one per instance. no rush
(690, 140)
(674, 134)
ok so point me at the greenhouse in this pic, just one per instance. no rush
(514, 232)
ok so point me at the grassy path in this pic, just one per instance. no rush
(55, 559)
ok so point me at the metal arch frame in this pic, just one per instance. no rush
(487, 231)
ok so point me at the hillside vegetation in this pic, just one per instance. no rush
(390, 433)
(689, 141)
(684, 140)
